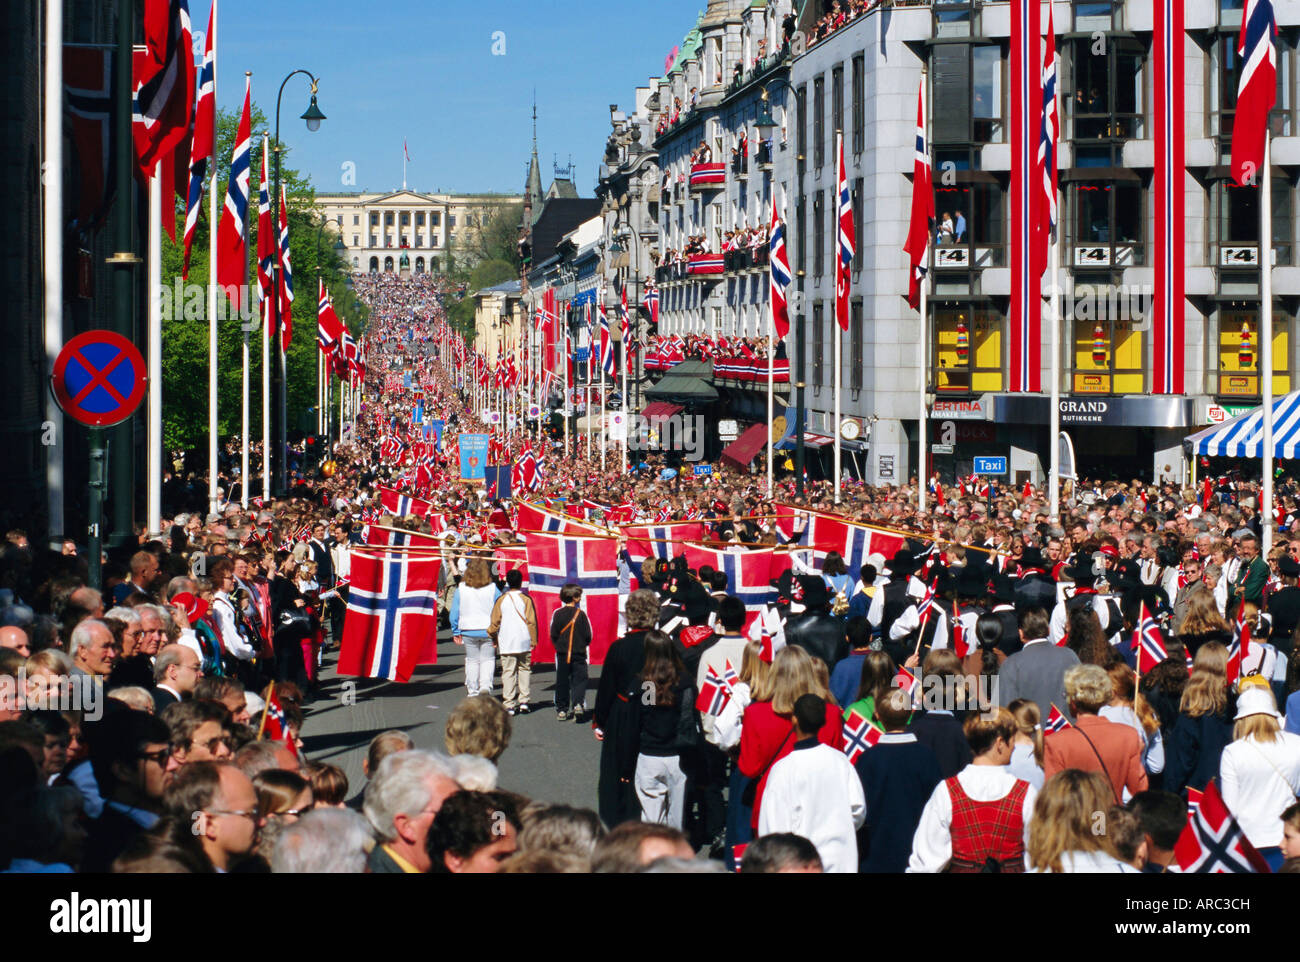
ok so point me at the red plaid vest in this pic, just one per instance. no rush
(987, 830)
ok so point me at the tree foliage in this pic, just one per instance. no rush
(185, 319)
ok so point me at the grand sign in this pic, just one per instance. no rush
(1152, 412)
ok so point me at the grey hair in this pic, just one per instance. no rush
(134, 696)
(256, 757)
(674, 865)
(169, 655)
(129, 615)
(333, 840)
(474, 774)
(400, 787)
(83, 634)
(642, 609)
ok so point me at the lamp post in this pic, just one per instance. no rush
(279, 389)
(766, 124)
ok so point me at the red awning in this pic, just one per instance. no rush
(743, 450)
(660, 409)
(813, 440)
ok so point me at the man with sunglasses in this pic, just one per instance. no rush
(129, 751)
(219, 802)
(1189, 584)
(200, 732)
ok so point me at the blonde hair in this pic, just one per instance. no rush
(1262, 728)
(754, 671)
(792, 675)
(1207, 689)
(1124, 688)
(1028, 720)
(1089, 687)
(1202, 615)
(1065, 818)
(478, 726)
(477, 573)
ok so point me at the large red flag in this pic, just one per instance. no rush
(921, 227)
(1256, 90)
(590, 563)
(392, 619)
(847, 242)
(232, 235)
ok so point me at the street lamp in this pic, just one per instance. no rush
(279, 387)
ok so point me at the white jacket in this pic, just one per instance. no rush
(815, 792)
(1260, 780)
(514, 637)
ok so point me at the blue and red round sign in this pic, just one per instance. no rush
(99, 378)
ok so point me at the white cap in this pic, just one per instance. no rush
(1256, 701)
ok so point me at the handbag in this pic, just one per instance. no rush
(750, 794)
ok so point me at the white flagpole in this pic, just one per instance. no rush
(1266, 337)
(266, 400)
(52, 245)
(625, 319)
(923, 326)
(1054, 473)
(243, 426)
(604, 438)
(839, 332)
(212, 293)
(154, 459)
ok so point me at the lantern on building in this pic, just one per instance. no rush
(963, 339)
(1098, 344)
(1245, 355)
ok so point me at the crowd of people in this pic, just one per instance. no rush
(966, 703)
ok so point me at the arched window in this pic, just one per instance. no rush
(419, 265)
(356, 262)
(374, 265)
(388, 264)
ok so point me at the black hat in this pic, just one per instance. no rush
(1081, 571)
(1288, 566)
(1126, 573)
(972, 581)
(1033, 558)
(1001, 588)
(815, 593)
(902, 563)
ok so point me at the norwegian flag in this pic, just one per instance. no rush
(265, 234)
(658, 541)
(854, 542)
(844, 263)
(714, 693)
(275, 722)
(392, 618)
(88, 90)
(329, 329)
(592, 564)
(626, 324)
(1148, 643)
(650, 301)
(778, 268)
(927, 603)
(961, 645)
(232, 234)
(508, 558)
(1256, 89)
(1049, 137)
(859, 735)
(397, 503)
(1213, 842)
(1194, 800)
(1056, 722)
(906, 681)
(606, 343)
(203, 141)
(380, 537)
(286, 276)
(163, 85)
(921, 227)
(1239, 649)
(749, 575)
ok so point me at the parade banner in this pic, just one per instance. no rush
(497, 477)
(591, 563)
(436, 427)
(473, 456)
(391, 624)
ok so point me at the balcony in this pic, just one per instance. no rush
(705, 263)
(706, 177)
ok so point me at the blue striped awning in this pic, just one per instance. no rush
(1243, 436)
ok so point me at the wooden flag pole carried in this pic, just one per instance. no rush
(261, 727)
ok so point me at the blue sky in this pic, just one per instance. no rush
(394, 69)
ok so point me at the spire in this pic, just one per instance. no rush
(533, 188)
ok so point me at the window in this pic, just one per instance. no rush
(859, 119)
(857, 224)
(1107, 345)
(819, 122)
(856, 338)
(374, 219)
(433, 241)
(1103, 97)
(451, 220)
(1234, 223)
(1238, 351)
(966, 94)
(819, 247)
(986, 94)
(801, 126)
(819, 346)
(419, 219)
(974, 204)
(374, 241)
(801, 236)
(837, 99)
(356, 240)
(356, 219)
(435, 219)
(952, 18)
(406, 219)
(388, 218)
(1226, 74)
(1105, 223)
(966, 348)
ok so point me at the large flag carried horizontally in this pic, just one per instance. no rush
(854, 542)
(399, 504)
(749, 575)
(232, 235)
(590, 563)
(659, 540)
(203, 141)
(1213, 842)
(392, 619)
(779, 272)
(921, 226)
(1256, 89)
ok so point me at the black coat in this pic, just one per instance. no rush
(943, 735)
(617, 715)
(1194, 748)
(820, 634)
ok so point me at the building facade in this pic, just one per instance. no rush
(378, 229)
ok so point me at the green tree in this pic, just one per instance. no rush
(185, 319)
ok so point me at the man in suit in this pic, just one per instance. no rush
(1191, 572)
(1284, 605)
(1095, 744)
(817, 631)
(401, 801)
(319, 549)
(1037, 671)
(1251, 577)
(176, 672)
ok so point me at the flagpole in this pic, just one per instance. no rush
(153, 488)
(839, 337)
(564, 408)
(52, 244)
(1266, 337)
(266, 400)
(771, 337)
(923, 326)
(625, 336)
(1054, 479)
(243, 427)
(212, 293)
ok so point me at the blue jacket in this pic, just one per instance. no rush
(1193, 750)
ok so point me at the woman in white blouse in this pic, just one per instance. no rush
(1064, 835)
(1259, 773)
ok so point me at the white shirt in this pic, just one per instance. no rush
(1259, 781)
(725, 649)
(223, 610)
(932, 843)
(726, 726)
(815, 792)
(1092, 863)
(513, 638)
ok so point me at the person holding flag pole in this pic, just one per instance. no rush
(919, 232)
(1251, 149)
(844, 264)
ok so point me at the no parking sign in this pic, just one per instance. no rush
(99, 378)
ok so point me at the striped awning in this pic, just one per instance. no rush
(1243, 436)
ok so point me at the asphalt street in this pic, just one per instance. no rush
(548, 760)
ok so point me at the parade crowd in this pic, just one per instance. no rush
(976, 700)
